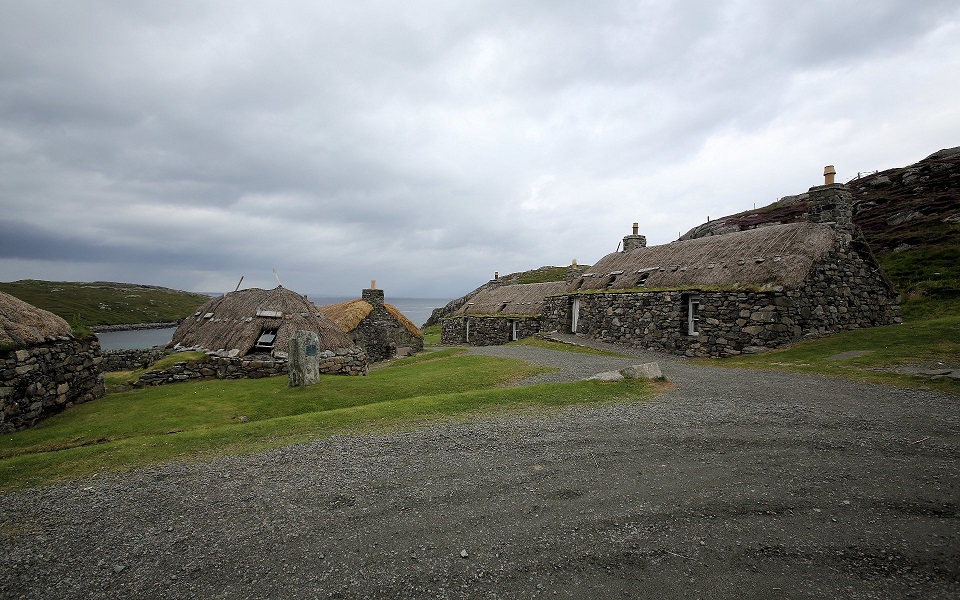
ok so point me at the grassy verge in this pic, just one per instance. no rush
(431, 335)
(928, 342)
(202, 420)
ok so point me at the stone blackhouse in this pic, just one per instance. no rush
(500, 314)
(44, 367)
(727, 294)
(379, 328)
(257, 322)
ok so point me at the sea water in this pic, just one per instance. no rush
(417, 310)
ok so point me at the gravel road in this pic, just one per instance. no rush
(736, 484)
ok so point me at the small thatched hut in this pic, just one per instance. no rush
(257, 321)
(377, 327)
(737, 292)
(500, 314)
(44, 368)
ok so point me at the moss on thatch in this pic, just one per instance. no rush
(348, 315)
(236, 320)
(23, 324)
(521, 299)
(779, 255)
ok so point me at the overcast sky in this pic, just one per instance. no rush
(427, 144)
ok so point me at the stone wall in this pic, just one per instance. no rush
(486, 330)
(347, 361)
(380, 333)
(43, 380)
(128, 360)
(844, 291)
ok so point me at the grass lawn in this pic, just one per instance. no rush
(201, 420)
(926, 342)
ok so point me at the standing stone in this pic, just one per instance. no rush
(303, 362)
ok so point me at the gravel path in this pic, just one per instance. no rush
(739, 484)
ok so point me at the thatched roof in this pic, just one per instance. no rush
(347, 315)
(765, 257)
(23, 324)
(235, 321)
(519, 299)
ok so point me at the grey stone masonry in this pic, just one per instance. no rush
(833, 204)
(42, 380)
(843, 291)
(486, 330)
(128, 360)
(380, 333)
(346, 361)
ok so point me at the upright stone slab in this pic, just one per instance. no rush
(303, 362)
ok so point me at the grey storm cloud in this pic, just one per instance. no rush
(428, 144)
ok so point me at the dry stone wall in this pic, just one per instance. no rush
(128, 360)
(43, 380)
(347, 361)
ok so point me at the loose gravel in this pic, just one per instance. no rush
(737, 483)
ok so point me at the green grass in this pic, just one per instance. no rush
(101, 303)
(928, 280)
(431, 335)
(920, 342)
(200, 420)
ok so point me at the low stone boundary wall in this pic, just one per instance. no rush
(42, 380)
(128, 360)
(341, 362)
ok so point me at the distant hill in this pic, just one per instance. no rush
(910, 216)
(106, 303)
(540, 275)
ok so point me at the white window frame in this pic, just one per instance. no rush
(693, 314)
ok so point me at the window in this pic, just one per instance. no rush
(693, 314)
(643, 280)
(265, 341)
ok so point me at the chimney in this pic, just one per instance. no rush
(496, 275)
(832, 204)
(635, 240)
(373, 296)
(828, 174)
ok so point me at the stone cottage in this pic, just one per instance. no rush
(500, 314)
(257, 322)
(744, 291)
(379, 328)
(44, 367)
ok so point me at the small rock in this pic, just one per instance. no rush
(649, 370)
(119, 568)
(243, 419)
(464, 554)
